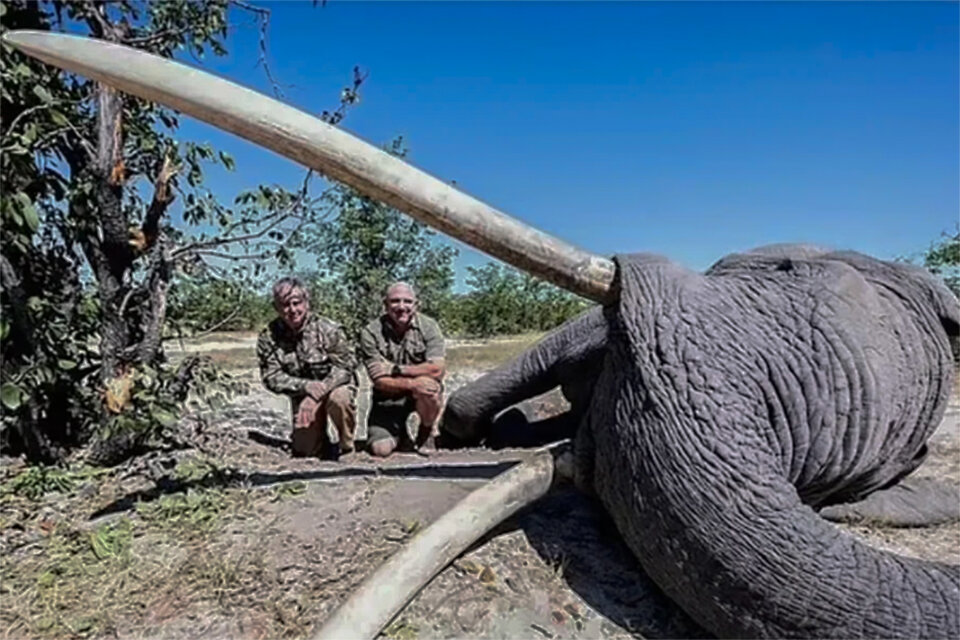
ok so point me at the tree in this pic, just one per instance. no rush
(89, 253)
(504, 301)
(943, 259)
(365, 246)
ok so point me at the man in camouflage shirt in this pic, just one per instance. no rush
(308, 358)
(403, 352)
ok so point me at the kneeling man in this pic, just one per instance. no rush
(308, 358)
(403, 351)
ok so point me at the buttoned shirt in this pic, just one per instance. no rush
(421, 342)
(318, 352)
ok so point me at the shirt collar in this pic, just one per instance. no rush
(414, 324)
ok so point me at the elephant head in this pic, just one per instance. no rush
(712, 411)
(729, 405)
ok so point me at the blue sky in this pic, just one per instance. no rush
(687, 129)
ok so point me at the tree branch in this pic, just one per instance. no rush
(263, 18)
(145, 41)
(234, 257)
(162, 197)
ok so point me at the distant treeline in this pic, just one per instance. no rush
(499, 301)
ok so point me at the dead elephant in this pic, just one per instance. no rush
(714, 412)
(711, 410)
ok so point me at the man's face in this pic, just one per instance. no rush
(292, 305)
(401, 304)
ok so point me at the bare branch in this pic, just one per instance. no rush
(263, 18)
(197, 248)
(230, 316)
(39, 142)
(162, 197)
(231, 256)
(280, 216)
(145, 41)
(26, 112)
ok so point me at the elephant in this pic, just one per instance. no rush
(713, 413)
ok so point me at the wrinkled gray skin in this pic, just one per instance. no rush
(714, 412)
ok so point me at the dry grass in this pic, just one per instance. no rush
(232, 561)
(80, 581)
(486, 354)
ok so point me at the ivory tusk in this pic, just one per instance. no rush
(334, 152)
(385, 592)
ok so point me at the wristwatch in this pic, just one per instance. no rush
(396, 372)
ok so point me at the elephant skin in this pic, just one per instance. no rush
(714, 413)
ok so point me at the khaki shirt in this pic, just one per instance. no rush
(288, 361)
(422, 341)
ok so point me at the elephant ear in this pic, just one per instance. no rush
(915, 284)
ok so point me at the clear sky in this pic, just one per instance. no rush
(687, 129)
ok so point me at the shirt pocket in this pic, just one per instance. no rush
(314, 360)
(416, 348)
(290, 363)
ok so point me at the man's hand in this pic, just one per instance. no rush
(317, 390)
(379, 369)
(425, 386)
(307, 412)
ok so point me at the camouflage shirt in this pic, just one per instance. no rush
(422, 341)
(288, 361)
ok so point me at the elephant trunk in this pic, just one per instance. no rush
(703, 468)
(729, 540)
(573, 345)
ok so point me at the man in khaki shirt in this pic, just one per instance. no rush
(308, 358)
(403, 352)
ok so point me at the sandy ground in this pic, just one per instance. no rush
(297, 536)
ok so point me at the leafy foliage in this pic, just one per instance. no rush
(91, 257)
(943, 259)
(204, 304)
(366, 246)
(505, 301)
(35, 482)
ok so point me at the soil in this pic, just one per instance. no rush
(228, 536)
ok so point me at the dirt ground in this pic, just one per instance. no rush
(228, 536)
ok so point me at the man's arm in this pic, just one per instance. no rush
(272, 374)
(343, 360)
(432, 369)
(411, 376)
(435, 366)
(377, 366)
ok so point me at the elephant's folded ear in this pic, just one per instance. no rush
(948, 310)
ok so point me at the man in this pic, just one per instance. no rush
(403, 352)
(308, 358)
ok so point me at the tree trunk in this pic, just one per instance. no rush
(115, 252)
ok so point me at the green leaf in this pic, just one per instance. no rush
(165, 418)
(59, 118)
(41, 92)
(66, 364)
(30, 217)
(227, 161)
(11, 396)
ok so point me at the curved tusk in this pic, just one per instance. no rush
(385, 592)
(332, 151)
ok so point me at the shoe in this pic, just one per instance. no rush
(428, 444)
(330, 451)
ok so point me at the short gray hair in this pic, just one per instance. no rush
(287, 284)
(400, 283)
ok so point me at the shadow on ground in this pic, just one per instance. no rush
(570, 532)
